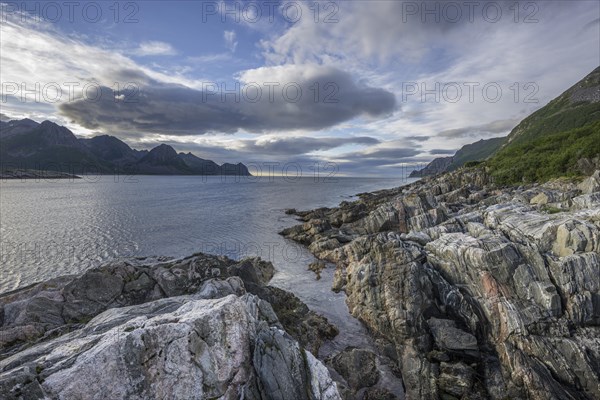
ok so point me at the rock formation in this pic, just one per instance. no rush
(484, 292)
(195, 328)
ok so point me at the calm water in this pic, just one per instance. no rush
(52, 228)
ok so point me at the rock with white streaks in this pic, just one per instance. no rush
(218, 336)
(486, 292)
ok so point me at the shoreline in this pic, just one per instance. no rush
(459, 276)
(438, 271)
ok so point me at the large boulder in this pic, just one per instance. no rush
(591, 184)
(185, 347)
(357, 366)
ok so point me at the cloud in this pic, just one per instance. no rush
(230, 40)
(300, 145)
(436, 152)
(392, 151)
(268, 99)
(418, 138)
(4, 117)
(492, 128)
(366, 55)
(154, 48)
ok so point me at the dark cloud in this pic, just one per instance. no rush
(4, 117)
(492, 128)
(179, 110)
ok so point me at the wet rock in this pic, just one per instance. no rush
(307, 327)
(317, 267)
(357, 366)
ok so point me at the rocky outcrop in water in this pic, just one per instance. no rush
(484, 292)
(195, 328)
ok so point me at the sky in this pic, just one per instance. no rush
(369, 87)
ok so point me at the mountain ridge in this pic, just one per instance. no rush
(477, 151)
(555, 141)
(27, 144)
(560, 139)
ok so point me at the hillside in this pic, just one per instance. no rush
(477, 151)
(560, 139)
(46, 146)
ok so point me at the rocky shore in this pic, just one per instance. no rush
(470, 291)
(203, 327)
(477, 291)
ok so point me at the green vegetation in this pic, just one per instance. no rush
(549, 143)
(472, 164)
(551, 209)
(475, 152)
(551, 156)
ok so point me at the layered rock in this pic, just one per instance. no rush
(485, 292)
(194, 328)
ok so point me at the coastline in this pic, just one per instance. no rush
(480, 291)
(451, 275)
(35, 174)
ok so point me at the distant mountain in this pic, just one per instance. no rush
(110, 148)
(14, 127)
(207, 166)
(25, 144)
(28, 145)
(437, 166)
(163, 160)
(477, 151)
(560, 139)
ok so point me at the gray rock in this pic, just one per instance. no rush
(287, 372)
(464, 276)
(448, 337)
(180, 348)
(456, 379)
(123, 338)
(357, 366)
(590, 184)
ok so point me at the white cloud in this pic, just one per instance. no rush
(155, 48)
(374, 41)
(230, 40)
(369, 47)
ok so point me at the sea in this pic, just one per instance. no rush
(50, 227)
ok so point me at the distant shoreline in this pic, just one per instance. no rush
(35, 174)
(45, 174)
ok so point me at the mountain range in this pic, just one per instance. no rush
(27, 144)
(560, 139)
